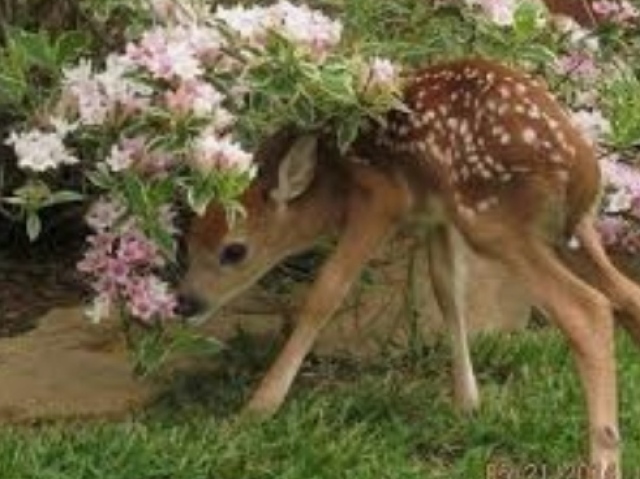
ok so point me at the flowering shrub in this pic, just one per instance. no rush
(173, 115)
(172, 118)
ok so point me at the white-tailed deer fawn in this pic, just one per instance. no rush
(485, 150)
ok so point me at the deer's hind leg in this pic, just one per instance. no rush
(585, 317)
(622, 291)
(449, 278)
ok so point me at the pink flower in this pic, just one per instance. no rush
(166, 54)
(121, 263)
(621, 175)
(380, 74)
(215, 152)
(149, 297)
(309, 29)
(98, 95)
(611, 229)
(578, 63)
(135, 249)
(135, 154)
(117, 271)
(104, 214)
(250, 24)
(620, 12)
(80, 85)
(306, 27)
(501, 12)
(193, 97)
(124, 154)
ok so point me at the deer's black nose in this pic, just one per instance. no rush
(190, 306)
(233, 254)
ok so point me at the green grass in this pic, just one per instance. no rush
(392, 419)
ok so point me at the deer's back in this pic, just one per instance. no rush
(492, 141)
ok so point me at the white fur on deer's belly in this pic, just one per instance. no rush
(481, 131)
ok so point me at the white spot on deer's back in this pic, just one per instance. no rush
(504, 92)
(529, 135)
(534, 112)
(485, 205)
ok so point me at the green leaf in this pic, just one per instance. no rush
(525, 22)
(135, 192)
(34, 226)
(35, 48)
(70, 46)
(201, 193)
(347, 132)
(13, 83)
(63, 196)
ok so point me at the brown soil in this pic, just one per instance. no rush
(67, 369)
(38, 276)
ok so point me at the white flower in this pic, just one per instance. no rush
(117, 84)
(81, 73)
(214, 152)
(592, 123)
(39, 151)
(576, 34)
(619, 201)
(119, 159)
(196, 97)
(380, 73)
(62, 126)
(125, 153)
(182, 60)
(501, 12)
(249, 24)
(99, 309)
(104, 214)
(98, 94)
(307, 28)
(81, 85)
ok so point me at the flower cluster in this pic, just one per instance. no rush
(39, 150)
(122, 263)
(166, 118)
(501, 12)
(620, 222)
(593, 124)
(579, 63)
(620, 12)
(174, 116)
(311, 30)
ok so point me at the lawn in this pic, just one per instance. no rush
(392, 418)
(389, 419)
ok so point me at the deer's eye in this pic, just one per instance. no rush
(233, 254)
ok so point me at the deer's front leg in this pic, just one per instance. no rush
(366, 227)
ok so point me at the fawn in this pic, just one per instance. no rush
(488, 154)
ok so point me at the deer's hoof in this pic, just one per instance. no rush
(260, 409)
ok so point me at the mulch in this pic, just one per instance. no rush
(36, 277)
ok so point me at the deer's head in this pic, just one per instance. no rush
(296, 198)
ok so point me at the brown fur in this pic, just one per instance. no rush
(412, 170)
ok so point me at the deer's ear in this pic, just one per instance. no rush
(296, 170)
